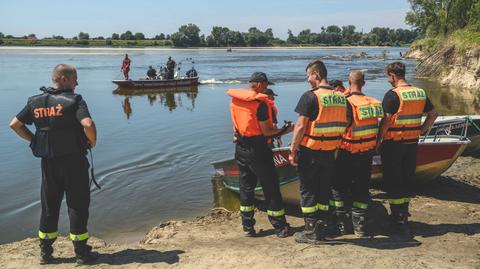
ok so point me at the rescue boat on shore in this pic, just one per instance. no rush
(434, 156)
(466, 125)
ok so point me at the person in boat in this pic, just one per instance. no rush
(353, 165)
(337, 85)
(170, 68)
(271, 104)
(192, 73)
(322, 120)
(397, 142)
(252, 122)
(126, 66)
(64, 132)
(151, 73)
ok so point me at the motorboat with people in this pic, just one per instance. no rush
(435, 154)
(167, 77)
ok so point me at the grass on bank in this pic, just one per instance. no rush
(461, 39)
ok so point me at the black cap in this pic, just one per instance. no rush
(260, 77)
(270, 92)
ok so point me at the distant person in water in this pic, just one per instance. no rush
(170, 68)
(151, 73)
(126, 66)
(192, 73)
(337, 85)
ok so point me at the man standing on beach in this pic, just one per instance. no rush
(398, 136)
(253, 125)
(318, 133)
(64, 131)
(353, 165)
(126, 66)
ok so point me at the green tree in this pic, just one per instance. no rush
(304, 37)
(115, 36)
(1, 35)
(127, 36)
(139, 36)
(83, 36)
(291, 39)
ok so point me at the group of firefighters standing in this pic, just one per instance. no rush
(334, 140)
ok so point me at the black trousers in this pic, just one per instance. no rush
(350, 187)
(399, 164)
(315, 171)
(255, 162)
(65, 175)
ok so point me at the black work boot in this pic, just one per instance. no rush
(83, 252)
(248, 223)
(314, 231)
(400, 227)
(360, 227)
(286, 231)
(46, 251)
(344, 222)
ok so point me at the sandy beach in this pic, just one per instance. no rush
(445, 221)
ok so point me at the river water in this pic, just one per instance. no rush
(154, 151)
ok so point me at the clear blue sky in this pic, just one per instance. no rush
(104, 17)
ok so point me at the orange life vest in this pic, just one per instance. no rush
(243, 110)
(325, 132)
(406, 123)
(361, 136)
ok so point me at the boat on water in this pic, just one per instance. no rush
(466, 125)
(157, 83)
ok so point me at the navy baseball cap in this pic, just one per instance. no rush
(260, 77)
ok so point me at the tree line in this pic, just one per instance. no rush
(189, 36)
(443, 17)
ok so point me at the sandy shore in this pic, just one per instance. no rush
(445, 220)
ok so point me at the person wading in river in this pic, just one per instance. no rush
(397, 143)
(318, 133)
(253, 125)
(64, 131)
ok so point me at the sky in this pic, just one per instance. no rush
(151, 17)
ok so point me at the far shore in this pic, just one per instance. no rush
(184, 49)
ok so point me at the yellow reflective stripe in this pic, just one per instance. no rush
(79, 237)
(322, 207)
(336, 203)
(408, 121)
(396, 201)
(323, 130)
(365, 132)
(310, 209)
(360, 205)
(277, 213)
(43, 235)
(244, 208)
(407, 200)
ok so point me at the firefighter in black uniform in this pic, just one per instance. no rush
(64, 132)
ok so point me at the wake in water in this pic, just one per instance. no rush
(214, 81)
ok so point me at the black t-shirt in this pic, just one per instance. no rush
(26, 114)
(262, 112)
(308, 104)
(391, 103)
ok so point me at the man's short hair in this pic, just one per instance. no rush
(356, 76)
(319, 67)
(397, 68)
(63, 70)
(336, 83)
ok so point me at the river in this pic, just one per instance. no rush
(154, 151)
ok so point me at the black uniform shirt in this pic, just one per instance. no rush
(262, 112)
(308, 104)
(26, 114)
(391, 103)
